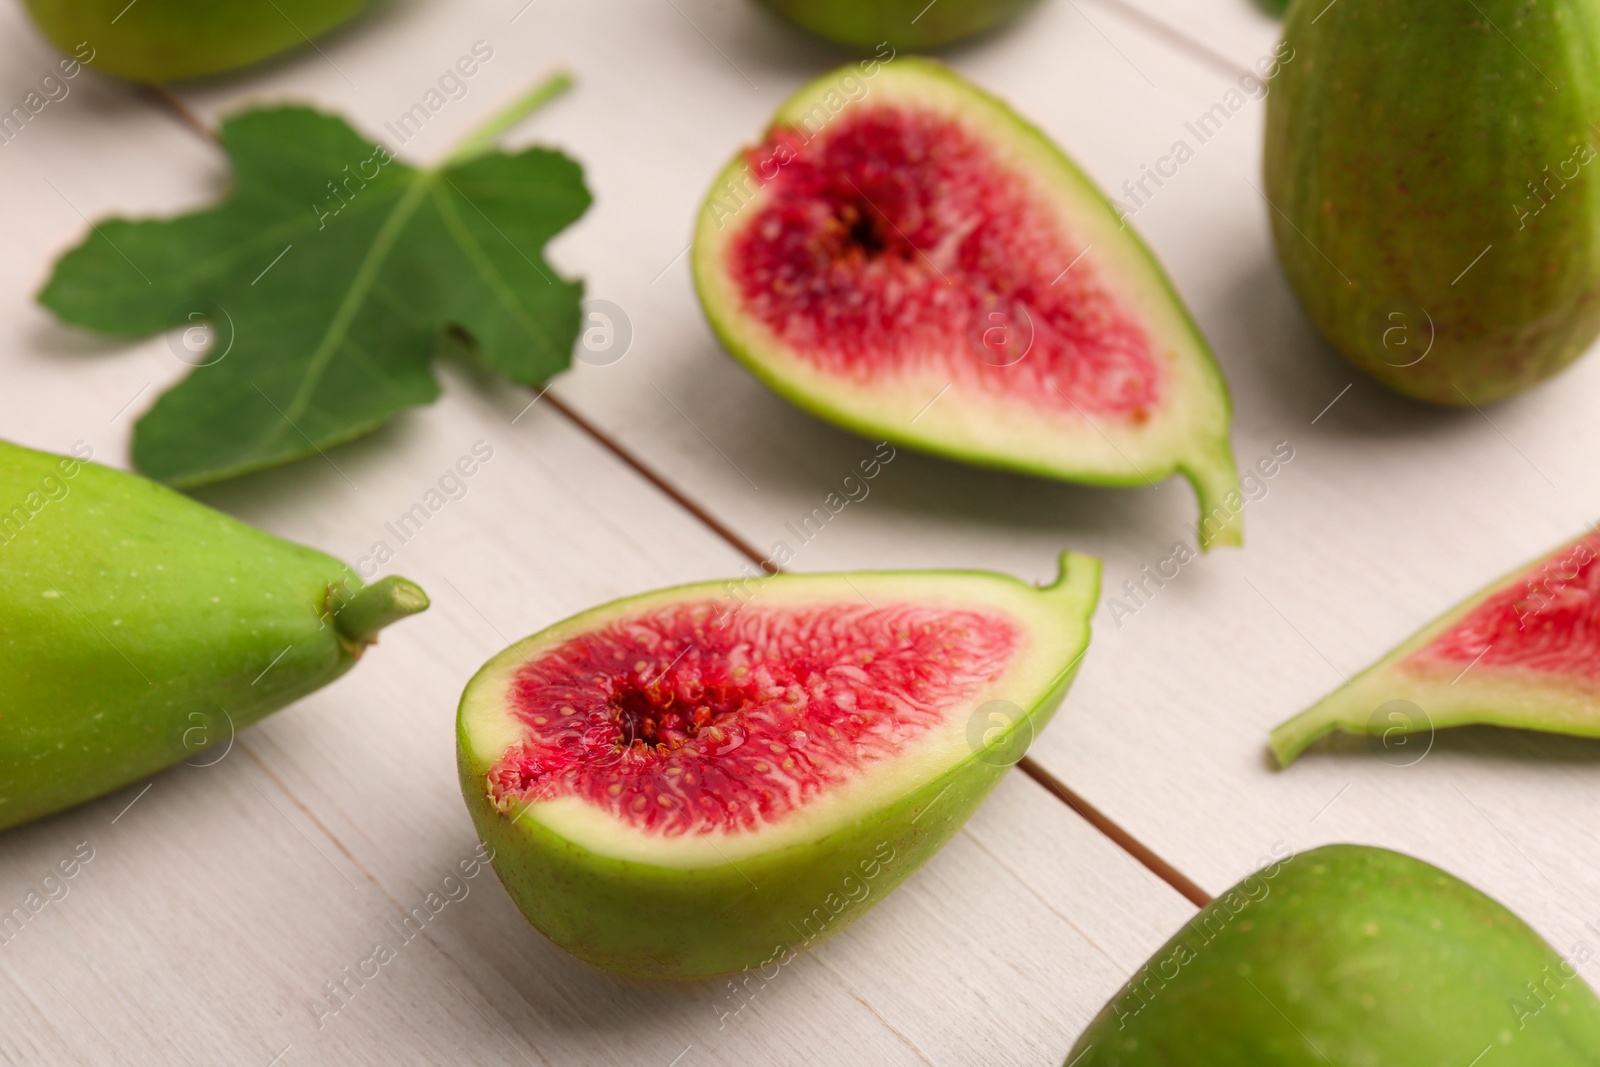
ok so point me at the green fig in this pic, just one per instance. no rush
(164, 40)
(139, 628)
(1521, 653)
(713, 777)
(1357, 957)
(906, 256)
(1430, 171)
(911, 24)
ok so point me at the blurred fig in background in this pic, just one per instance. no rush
(909, 24)
(165, 40)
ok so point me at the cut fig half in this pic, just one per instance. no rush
(905, 256)
(1524, 653)
(712, 777)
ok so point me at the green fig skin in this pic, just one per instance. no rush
(910, 24)
(139, 628)
(646, 921)
(1354, 956)
(1430, 169)
(157, 41)
(755, 913)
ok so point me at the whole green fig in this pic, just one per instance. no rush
(1430, 169)
(909, 24)
(1352, 956)
(139, 628)
(164, 40)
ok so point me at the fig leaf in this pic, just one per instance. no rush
(325, 281)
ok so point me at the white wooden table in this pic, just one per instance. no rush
(223, 904)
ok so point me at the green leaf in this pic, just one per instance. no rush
(328, 276)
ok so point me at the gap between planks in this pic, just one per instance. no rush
(1140, 852)
(1176, 38)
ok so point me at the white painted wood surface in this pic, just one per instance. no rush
(1222, 33)
(218, 902)
(204, 925)
(1387, 514)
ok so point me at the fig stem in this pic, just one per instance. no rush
(372, 607)
(481, 139)
(1291, 738)
(1215, 479)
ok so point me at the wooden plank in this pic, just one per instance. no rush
(1385, 515)
(230, 913)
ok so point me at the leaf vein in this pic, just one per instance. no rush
(479, 258)
(356, 296)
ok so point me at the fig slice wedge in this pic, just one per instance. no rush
(907, 257)
(712, 777)
(1523, 652)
